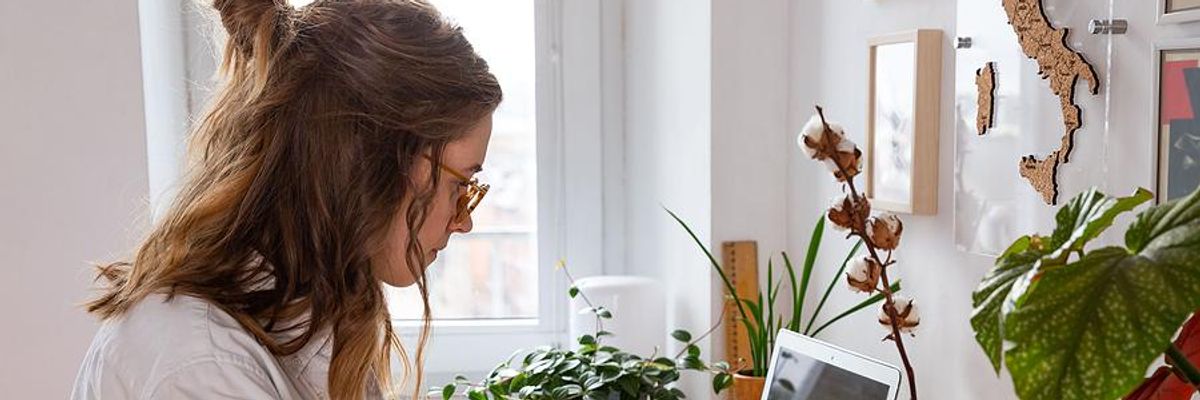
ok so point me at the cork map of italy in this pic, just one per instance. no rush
(1063, 68)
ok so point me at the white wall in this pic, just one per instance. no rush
(828, 67)
(705, 114)
(72, 178)
(750, 132)
(667, 148)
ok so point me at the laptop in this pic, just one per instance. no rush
(803, 368)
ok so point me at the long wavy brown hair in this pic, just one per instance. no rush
(298, 168)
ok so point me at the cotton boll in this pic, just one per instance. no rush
(884, 231)
(848, 213)
(863, 275)
(813, 130)
(906, 310)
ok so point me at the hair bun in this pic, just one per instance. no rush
(255, 26)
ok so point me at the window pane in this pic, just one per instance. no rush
(492, 272)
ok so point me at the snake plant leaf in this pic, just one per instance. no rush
(1091, 328)
(1079, 221)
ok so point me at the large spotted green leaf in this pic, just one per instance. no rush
(992, 292)
(1090, 329)
(1079, 221)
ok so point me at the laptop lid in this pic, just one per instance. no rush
(803, 368)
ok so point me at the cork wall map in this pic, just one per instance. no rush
(1063, 67)
(1031, 115)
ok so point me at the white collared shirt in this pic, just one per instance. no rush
(187, 348)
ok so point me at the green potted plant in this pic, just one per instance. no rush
(1069, 322)
(592, 370)
(758, 316)
(879, 234)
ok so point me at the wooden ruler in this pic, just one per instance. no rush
(740, 260)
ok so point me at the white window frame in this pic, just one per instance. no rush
(579, 150)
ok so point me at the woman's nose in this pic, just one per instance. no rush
(462, 225)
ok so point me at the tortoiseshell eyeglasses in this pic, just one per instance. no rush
(471, 197)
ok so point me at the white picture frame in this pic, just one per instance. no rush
(1166, 16)
(903, 121)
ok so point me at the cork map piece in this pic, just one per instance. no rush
(1041, 174)
(985, 81)
(1063, 68)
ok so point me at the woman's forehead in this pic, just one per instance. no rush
(468, 152)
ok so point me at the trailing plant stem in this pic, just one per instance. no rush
(889, 305)
(1183, 365)
(599, 320)
(710, 330)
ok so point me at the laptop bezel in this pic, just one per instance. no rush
(858, 364)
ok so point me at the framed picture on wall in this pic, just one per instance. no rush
(1177, 76)
(1176, 11)
(903, 99)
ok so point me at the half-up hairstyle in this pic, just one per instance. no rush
(297, 169)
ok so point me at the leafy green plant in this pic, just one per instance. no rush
(758, 317)
(1073, 323)
(592, 371)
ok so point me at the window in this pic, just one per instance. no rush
(492, 273)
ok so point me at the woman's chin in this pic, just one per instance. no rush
(399, 282)
(402, 279)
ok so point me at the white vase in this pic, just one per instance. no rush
(637, 305)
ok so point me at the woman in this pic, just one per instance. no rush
(337, 156)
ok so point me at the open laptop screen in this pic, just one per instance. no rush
(800, 377)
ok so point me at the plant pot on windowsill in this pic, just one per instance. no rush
(747, 387)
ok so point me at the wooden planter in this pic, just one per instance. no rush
(747, 387)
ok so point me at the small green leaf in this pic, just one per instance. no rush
(448, 391)
(587, 339)
(1017, 247)
(573, 291)
(810, 259)
(693, 351)
(603, 313)
(517, 382)
(682, 335)
(603, 333)
(476, 394)
(721, 382)
(630, 385)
